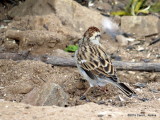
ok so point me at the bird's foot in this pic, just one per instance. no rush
(103, 89)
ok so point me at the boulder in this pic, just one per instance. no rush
(140, 25)
(68, 11)
(47, 95)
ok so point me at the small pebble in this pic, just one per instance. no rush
(148, 56)
(142, 112)
(27, 107)
(144, 99)
(154, 90)
(2, 26)
(83, 97)
(140, 85)
(136, 43)
(101, 114)
(6, 106)
(101, 102)
(139, 90)
(158, 56)
(109, 115)
(132, 72)
(90, 4)
(153, 76)
(140, 49)
(130, 47)
(133, 60)
(116, 57)
(1, 87)
(146, 60)
(110, 100)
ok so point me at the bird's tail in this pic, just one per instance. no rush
(126, 90)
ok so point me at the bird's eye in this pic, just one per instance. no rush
(97, 36)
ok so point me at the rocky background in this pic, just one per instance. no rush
(35, 90)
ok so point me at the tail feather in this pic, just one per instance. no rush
(126, 90)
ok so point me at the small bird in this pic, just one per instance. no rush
(94, 64)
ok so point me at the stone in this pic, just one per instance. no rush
(52, 94)
(140, 85)
(122, 40)
(140, 25)
(140, 48)
(72, 14)
(47, 95)
(10, 44)
(116, 57)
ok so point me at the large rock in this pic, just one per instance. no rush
(70, 12)
(140, 25)
(47, 95)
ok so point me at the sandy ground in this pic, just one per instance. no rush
(89, 111)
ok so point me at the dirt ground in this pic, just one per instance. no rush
(19, 78)
(89, 111)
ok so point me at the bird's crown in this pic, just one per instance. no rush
(92, 35)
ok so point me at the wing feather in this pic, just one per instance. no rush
(96, 62)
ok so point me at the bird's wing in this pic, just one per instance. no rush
(95, 61)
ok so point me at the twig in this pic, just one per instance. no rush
(15, 56)
(61, 61)
(154, 41)
(150, 35)
(132, 66)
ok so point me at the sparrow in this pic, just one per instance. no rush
(95, 65)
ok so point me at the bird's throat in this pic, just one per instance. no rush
(94, 41)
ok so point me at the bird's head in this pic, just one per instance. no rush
(92, 35)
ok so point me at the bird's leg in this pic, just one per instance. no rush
(87, 91)
(103, 88)
(84, 95)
